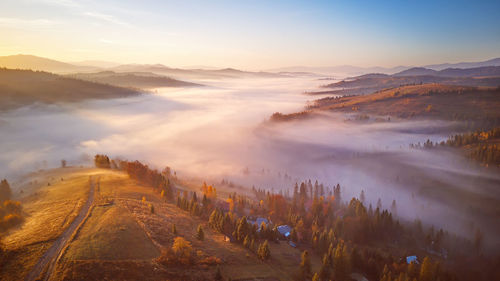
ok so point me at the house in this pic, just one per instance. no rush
(410, 259)
(284, 230)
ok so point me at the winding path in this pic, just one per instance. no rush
(50, 257)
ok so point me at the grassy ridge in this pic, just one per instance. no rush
(432, 101)
(24, 87)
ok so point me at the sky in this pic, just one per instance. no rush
(252, 34)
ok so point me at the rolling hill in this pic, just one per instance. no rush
(119, 237)
(488, 76)
(42, 64)
(179, 73)
(485, 71)
(132, 79)
(427, 101)
(24, 87)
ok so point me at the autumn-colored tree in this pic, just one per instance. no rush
(102, 161)
(230, 201)
(264, 252)
(246, 242)
(10, 214)
(182, 248)
(426, 270)
(200, 235)
(324, 273)
(341, 262)
(305, 266)
(242, 229)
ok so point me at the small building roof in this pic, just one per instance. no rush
(410, 259)
(284, 230)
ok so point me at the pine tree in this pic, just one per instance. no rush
(241, 230)
(246, 242)
(264, 253)
(324, 273)
(340, 262)
(426, 270)
(5, 191)
(218, 274)
(200, 235)
(305, 266)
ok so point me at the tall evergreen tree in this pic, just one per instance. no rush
(305, 266)
(426, 270)
(200, 235)
(264, 252)
(5, 191)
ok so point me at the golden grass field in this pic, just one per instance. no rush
(427, 100)
(48, 209)
(121, 238)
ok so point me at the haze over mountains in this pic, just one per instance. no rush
(356, 70)
(207, 72)
(45, 64)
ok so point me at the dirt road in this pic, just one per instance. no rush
(50, 257)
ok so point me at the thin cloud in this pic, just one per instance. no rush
(106, 41)
(105, 17)
(64, 3)
(23, 23)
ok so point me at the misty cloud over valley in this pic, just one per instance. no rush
(221, 132)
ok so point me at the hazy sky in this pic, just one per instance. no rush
(252, 34)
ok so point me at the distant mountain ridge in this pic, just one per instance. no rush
(30, 62)
(491, 62)
(356, 70)
(451, 72)
(42, 64)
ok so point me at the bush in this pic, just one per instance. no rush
(179, 254)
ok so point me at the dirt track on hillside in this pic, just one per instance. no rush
(50, 257)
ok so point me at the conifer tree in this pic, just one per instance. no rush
(218, 274)
(264, 252)
(305, 266)
(426, 270)
(200, 235)
(5, 191)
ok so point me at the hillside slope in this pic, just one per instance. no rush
(132, 79)
(432, 101)
(122, 238)
(24, 87)
(42, 64)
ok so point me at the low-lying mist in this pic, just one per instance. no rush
(220, 132)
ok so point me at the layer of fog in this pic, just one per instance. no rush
(219, 132)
